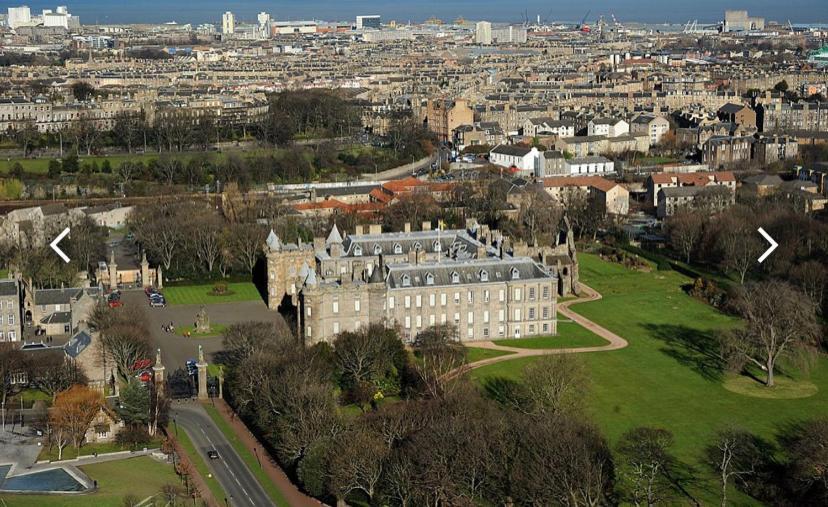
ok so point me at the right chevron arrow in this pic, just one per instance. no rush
(773, 245)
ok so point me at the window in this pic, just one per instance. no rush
(515, 273)
(408, 301)
(357, 250)
(501, 330)
(486, 296)
(455, 277)
(456, 318)
(517, 314)
(419, 321)
(309, 311)
(418, 300)
(545, 312)
(432, 299)
(485, 332)
(418, 246)
(397, 248)
(517, 294)
(546, 328)
(308, 332)
(336, 328)
(457, 298)
(437, 246)
(471, 318)
(470, 332)
(546, 292)
(531, 293)
(429, 279)
(502, 296)
(336, 306)
(443, 318)
(408, 321)
(484, 275)
(357, 305)
(431, 320)
(406, 281)
(391, 303)
(485, 316)
(443, 299)
(377, 249)
(501, 315)
(531, 314)
(531, 329)
(470, 296)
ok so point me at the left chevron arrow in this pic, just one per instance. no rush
(54, 245)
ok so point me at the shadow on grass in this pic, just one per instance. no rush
(696, 349)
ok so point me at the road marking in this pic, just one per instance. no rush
(57, 240)
(213, 445)
(773, 245)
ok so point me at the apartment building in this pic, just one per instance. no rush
(11, 327)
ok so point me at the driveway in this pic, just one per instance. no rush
(175, 349)
(236, 479)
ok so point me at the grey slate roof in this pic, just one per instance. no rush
(77, 344)
(8, 288)
(61, 296)
(512, 150)
(441, 274)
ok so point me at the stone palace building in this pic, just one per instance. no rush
(468, 278)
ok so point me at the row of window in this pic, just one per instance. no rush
(10, 319)
(482, 275)
(470, 318)
(10, 336)
(517, 295)
(435, 246)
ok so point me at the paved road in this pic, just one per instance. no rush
(588, 294)
(232, 473)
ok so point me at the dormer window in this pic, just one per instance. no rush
(377, 249)
(357, 250)
(515, 273)
(429, 279)
(437, 246)
(406, 281)
(484, 275)
(455, 277)
(397, 248)
(418, 246)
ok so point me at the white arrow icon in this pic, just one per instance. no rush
(62, 235)
(773, 245)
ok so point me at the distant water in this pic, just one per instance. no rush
(647, 11)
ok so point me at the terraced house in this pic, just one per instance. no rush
(412, 280)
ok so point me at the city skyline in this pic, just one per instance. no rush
(644, 11)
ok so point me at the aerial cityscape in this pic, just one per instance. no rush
(413, 253)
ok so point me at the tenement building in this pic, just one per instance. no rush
(466, 278)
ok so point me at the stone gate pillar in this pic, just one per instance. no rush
(202, 375)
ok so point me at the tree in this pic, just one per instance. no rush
(645, 454)
(71, 414)
(806, 446)
(11, 363)
(134, 403)
(736, 455)
(247, 240)
(781, 86)
(357, 463)
(441, 359)
(53, 372)
(370, 354)
(86, 243)
(124, 337)
(205, 232)
(82, 90)
(685, 228)
(555, 384)
(739, 243)
(86, 134)
(26, 136)
(780, 322)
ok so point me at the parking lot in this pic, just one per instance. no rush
(176, 349)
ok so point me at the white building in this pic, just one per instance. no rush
(264, 24)
(228, 23)
(653, 126)
(610, 127)
(19, 16)
(483, 33)
(524, 159)
(592, 165)
(509, 35)
(370, 21)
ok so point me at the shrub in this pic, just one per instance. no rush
(132, 436)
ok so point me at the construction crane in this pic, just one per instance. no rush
(583, 27)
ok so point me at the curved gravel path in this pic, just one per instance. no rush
(615, 342)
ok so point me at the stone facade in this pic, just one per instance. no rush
(468, 278)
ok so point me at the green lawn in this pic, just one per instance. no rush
(569, 335)
(198, 462)
(141, 476)
(670, 375)
(200, 294)
(90, 449)
(474, 354)
(249, 458)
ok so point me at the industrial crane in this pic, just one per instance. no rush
(583, 27)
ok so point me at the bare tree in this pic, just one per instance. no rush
(739, 243)
(555, 384)
(247, 240)
(780, 321)
(647, 460)
(685, 229)
(11, 363)
(205, 232)
(441, 359)
(357, 464)
(735, 456)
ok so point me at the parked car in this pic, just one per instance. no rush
(158, 303)
(115, 303)
(212, 454)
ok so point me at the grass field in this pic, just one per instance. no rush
(198, 463)
(142, 477)
(670, 375)
(569, 335)
(474, 354)
(249, 459)
(200, 294)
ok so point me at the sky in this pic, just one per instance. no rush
(646, 11)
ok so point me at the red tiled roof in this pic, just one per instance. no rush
(326, 204)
